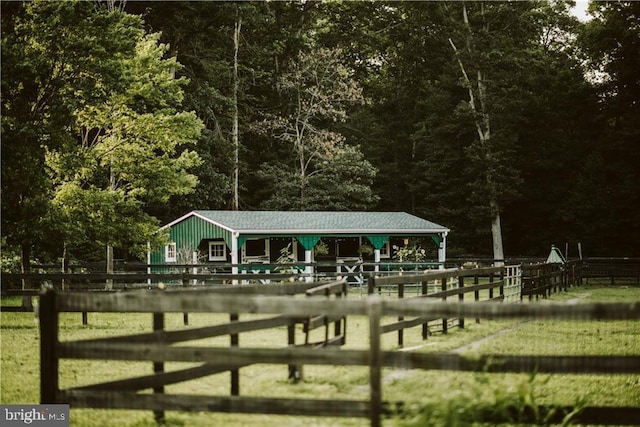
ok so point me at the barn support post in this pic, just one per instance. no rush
(374, 308)
(48, 347)
(376, 260)
(234, 256)
(308, 269)
(442, 250)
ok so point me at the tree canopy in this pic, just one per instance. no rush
(454, 111)
(91, 114)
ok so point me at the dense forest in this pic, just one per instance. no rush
(511, 123)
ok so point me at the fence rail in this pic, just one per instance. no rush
(132, 276)
(621, 270)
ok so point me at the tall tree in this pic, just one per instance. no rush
(317, 90)
(606, 222)
(557, 119)
(96, 102)
(477, 64)
(58, 57)
(235, 119)
(126, 156)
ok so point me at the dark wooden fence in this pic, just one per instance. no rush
(329, 312)
(137, 275)
(541, 280)
(614, 270)
(455, 284)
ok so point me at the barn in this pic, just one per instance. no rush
(256, 240)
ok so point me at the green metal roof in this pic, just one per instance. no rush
(314, 222)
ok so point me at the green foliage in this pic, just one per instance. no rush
(57, 58)
(110, 134)
(562, 98)
(285, 257)
(321, 248)
(127, 155)
(609, 42)
(412, 253)
(516, 405)
(317, 89)
(9, 258)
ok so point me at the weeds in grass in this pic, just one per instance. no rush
(517, 404)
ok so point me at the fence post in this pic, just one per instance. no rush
(371, 284)
(48, 347)
(342, 324)
(461, 299)
(295, 371)
(158, 367)
(374, 307)
(185, 284)
(491, 289)
(235, 373)
(425, 326)
(613, 273)
(443, 286)
(476, 293)
(400, 318)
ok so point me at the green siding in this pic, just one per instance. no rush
(193, 229)
(189, 233)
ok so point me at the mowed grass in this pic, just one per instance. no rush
(443, 390)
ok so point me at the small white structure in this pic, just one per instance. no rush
(555, 256)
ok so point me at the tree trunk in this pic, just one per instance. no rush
(26, 268)
(483, 127)
(109, 284)
(64, 266)
(496, 234)
(234, 131)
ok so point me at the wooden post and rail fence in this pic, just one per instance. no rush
(438, 297)
(158, 347)
(315, 305)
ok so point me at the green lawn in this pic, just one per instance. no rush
(451, 393)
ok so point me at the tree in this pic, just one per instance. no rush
(126, 156)
(606, 222)
(235, 119)
(58, 57)
(482, 54)
(317, 90)
(93, 106)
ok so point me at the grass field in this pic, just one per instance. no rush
(449, 396)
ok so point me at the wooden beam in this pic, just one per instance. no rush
(179, 302)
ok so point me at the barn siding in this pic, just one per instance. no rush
(189, 233)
